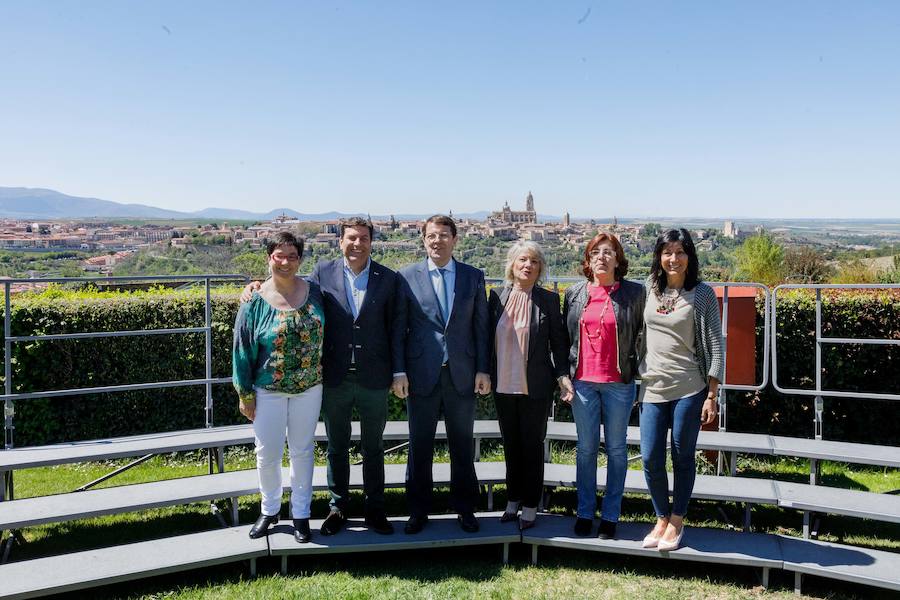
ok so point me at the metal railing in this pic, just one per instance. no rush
(10, 398)
(819, 393)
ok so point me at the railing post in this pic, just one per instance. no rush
(7, 491)
(208, 326)
(9, 409)
(818, 423)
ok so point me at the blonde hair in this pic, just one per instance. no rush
(525, 247)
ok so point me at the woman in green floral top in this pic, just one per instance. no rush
(278, 378)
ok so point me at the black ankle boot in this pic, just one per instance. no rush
(261, 527)
(301, 530)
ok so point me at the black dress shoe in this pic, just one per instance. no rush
(379, 524)
(507, 517)
(301, 530)
(607, 530)
(415, 525)
(467, 522)
(333, 522)
(261, 527)
(583, 526)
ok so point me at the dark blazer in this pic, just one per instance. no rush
(628, 306)
(466, 334)
(371, 334)
(548, 344)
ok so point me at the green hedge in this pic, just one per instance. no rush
(47, 365)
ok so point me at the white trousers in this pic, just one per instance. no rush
(293, 416)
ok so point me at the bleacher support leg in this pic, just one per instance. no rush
(2, 486)
(534, 548)
(252, 567)
(490, 494)
(477, 449)
(798, 580)
(765, 578)
(220, 459)
(747, 518)
(235, 519)
(506, 553)
(806, 518)
(546, 450)
(284, 564)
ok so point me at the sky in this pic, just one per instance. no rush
(782, 109)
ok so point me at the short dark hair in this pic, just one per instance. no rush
(621, 261)
(285, 237)
(357, 222)
(658, 274)
(440, 220)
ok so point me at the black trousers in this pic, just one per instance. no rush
(459, 417)
(523, 425)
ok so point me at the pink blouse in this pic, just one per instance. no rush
(512, 343)
(598, 352)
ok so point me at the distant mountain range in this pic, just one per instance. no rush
(42, 204)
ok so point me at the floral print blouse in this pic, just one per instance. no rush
(278, 350)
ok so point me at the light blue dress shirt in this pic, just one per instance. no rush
(437, 282)
(355, 286)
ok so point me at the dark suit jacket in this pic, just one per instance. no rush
(371, 334)
(466, 334)
(548, 343)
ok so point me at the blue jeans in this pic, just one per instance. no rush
(683, 416)
(609, 404)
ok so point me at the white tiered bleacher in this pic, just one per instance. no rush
(765, 551)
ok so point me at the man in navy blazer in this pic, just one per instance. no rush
(444, 362)
(360, 330)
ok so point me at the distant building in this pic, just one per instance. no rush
(730, 230)
(566, 221)
(507, 215)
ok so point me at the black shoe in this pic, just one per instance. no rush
(261, 527)
(467, 522)
(379, 524)
(508, 517)
(607, 530)
(333, 522)
(301, 530)
(415, 525)
(583, 526)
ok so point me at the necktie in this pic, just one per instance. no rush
(444, 297)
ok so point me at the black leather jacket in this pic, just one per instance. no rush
(628, 305)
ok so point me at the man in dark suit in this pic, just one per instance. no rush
(360, 328)
(445, 360)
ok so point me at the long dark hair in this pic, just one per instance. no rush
(658, 274)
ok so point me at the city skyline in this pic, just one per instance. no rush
(759, 111)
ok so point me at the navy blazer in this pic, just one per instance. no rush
(466, 334)
(548, 341)
(371, 335)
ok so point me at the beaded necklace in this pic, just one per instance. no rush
(598, 334)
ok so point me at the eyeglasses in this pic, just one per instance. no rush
(285, 257)
(603, 253)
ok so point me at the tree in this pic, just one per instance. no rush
(761, 259)
(651, 230)
(806, 265)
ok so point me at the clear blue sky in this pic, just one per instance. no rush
(759, 109)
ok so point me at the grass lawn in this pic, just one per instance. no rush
(452, 573)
